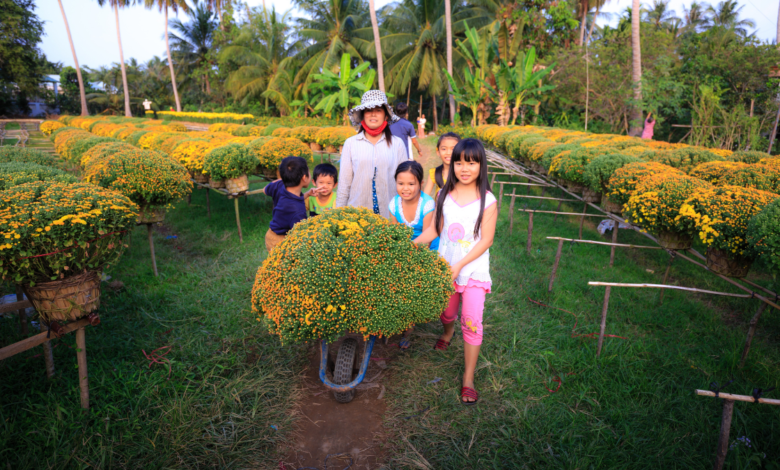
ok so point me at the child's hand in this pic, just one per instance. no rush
(455, 270)
(311, 193)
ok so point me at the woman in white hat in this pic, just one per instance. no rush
(369, 159)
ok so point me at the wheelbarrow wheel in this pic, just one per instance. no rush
(342, 372)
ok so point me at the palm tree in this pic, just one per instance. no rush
(636, 70)
(333, 27)
(115, 4)
(583, 9)
(659, 14)
(694, 17)
(262, 56)
(378, 45)
(448, 25)
(174, 5)
(726, 15)
(192, 41)
(84, 110)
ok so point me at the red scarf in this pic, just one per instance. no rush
(373, 132)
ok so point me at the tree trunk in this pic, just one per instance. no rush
(84, 110)
(380, 68)
(584, 5)
(170, 63)
(593, 23)
(435, 117)
(777, 39)
(128, 113)
(636, 71)
(448, 23)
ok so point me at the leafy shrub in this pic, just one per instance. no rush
(257, 130)
(712, 172)
(753, 176)
(271, 154)
(306, 134)
(338, 273)
(623, 182)
(281, 132)
(555, 151)
(600, 169)
(334, 136)
(686, 158)
(66, 119)
(28, 155)
(79, 147)
(229, 161)
(48, 127)
(14, 174)
(763, 235)
(748, 156)
(773, 162)
(244, 131)
(270, 128)
(103, 150)
(66, 140)
(135, 136)
(656, 202)
(191, 153)
(77, 226)
(524, 146)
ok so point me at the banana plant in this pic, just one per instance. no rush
(344, 90)
(522, 82)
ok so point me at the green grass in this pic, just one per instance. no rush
(12, 126)
(230, 381)
(9, 142)
(634, 407)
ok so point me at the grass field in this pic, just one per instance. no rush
(230, 399)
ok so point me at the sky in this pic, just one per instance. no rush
(94, 28)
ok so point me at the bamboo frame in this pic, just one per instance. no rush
(233, 196)
(663, 286)
(593, 242)
(731, 396)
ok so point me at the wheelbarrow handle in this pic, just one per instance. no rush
(363, 367)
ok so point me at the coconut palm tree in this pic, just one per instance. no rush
(116, 4)
(192, 41)
(694, 16)
(659, 14)
(636, 70)
(448, 26)
(380, 68)
(174, 5)
(84, 110)
(726, 15)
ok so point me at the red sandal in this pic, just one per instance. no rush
(468, 392)
(441, 345)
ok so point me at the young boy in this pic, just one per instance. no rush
(325, 177)
(289, 205)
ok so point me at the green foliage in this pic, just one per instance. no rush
(27, 155)
(601, 168)
(16, 173)
(763, 236)
(21, 61)
(229, 161)
(748, 156)
(342, 91)
(520, 83)
(80, 147)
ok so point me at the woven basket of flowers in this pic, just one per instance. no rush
(200, 178)
(56, 256)
(271, 153)
(230, 164)
(151, 215)
(315, 147)
(237, 185)
(591, 196)
(597, 173)
(336, 273)
(723, 262)
(216, 183)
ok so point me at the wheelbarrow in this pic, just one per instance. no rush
(344, 367)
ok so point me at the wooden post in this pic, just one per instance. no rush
(500, 197)
(725, 429)
(603, 320)
(555, 265)
(238, 221)
(48, 359)
(208, 203)
(189, 199)
(493, 180)
(582, 219)
(512, 212)
(151, 248)
(557, 209)
(614, 240)
(666, 277)
(22, 313)
(751, 332)
(544, 189)
(530, 232)
(81, 356)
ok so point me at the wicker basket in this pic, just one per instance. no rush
(591, 196)
(723, 262)
(330, 149)
(237, 185)
(151, 215)
(315, 147)
(66, 299)
(216, 184)
(200, 177)
(271, 174)
(610, 206)
(674, 240)
(576, 188)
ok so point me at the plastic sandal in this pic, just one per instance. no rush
(404, 344)
(468, 392)
(441, 345)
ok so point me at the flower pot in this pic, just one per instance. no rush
(576, 188)
(151, 215)
(199, 177)
(591, 196)
(610, 206)
(237, 185)
(271, 174)
(66, 299)
(340, 147)
(728, 264)
(330, 149)
(315, 147)
(216, 184)
(674, 240)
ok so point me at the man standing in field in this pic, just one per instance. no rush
(404, 130)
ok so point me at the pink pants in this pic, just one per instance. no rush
(472, 298)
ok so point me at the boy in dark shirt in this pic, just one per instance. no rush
(289, 205)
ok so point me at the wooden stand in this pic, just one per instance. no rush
(151, 248)
(238, 221)
(751, 331)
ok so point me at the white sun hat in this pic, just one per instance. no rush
(371, 99)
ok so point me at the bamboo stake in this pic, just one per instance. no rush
(493, 180)
(593, 242)
(582, 219)
(557, 210)
(614, 240)
(22, 313)
(151, 248)
(662, 286)
(725, 429)
(48, 359)
(751, 332)
(547, 198)
(512, 212)
(238, 221)
(555, 264)
(666, 277)
(208, 204)
(603, 319)
(559, 213)
(81, 357)
(730, 396)
(530, 232)
(500, 198)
